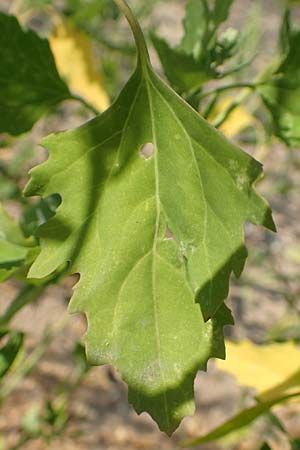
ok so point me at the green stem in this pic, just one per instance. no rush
(85, 104)
(143, 55)
(291, 382)
(24, 368)
(21, 442)
(121, 47)
(210, 106)
(222, 117)
(27, 295)
(261, 79)
(228, 87)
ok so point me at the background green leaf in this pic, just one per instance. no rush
(14, 248)
(188, 74)
(195, 28)
(10, 350)
(282, 95)
(241, 420)
(202, 51)
(221, 10)
(28, 77)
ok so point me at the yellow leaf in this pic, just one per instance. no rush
(75, 62)
(292, 253)
(237, 121)
(269, 369)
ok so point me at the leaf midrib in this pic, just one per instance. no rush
(189, 141)
(154, 250)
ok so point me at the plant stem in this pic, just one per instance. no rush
(261, 79)
(85, 104)
(28, 364)
(210, 106)
(122, 48)
(143, 55)
(228, 87)
(222, 117)
(19, 445)
(27, 295)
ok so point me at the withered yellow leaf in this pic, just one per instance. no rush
(237, 121)
(268, 368)
(75, 62)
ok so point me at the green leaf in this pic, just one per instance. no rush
(183, 72)
(79, 356)
(3, 332)
(56, 413)
(245, 418)
(265, 446)
(153, 233)
(285, 32)
(195, 28)
(28, 77)
(5, 274)
(295, 444)
(187, 66)
(9, 351)
(200, 53)
(282, 95)
(37, 214)
(14, 248)
(11, 254)
(198, 30)
(221, 10)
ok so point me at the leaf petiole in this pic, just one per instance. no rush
(143, 55)
(86, 104)
(223, 116)
(229, 87)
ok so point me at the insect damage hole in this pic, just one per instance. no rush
(147, 150)
(169, 235)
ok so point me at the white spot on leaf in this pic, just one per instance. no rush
(147, 150)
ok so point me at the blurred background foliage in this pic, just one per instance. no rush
(246, 82)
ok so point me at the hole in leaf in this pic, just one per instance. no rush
(147, 150)
(71, 280)
(169, 235)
